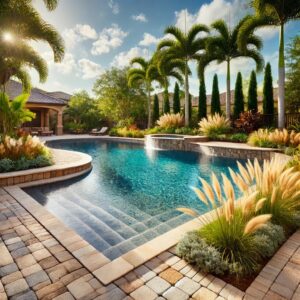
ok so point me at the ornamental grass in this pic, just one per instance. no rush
(214, 125)
(170, 121)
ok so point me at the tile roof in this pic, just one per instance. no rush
(14, 88)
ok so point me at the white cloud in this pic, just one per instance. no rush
(67, 66)
(79, 33)
(114, 7)
(267, 33)
(148, 40)
(140, 18)
(109, 38)
(89, 69)
(208, 13)
(123, 58)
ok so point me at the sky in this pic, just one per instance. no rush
(100, 34)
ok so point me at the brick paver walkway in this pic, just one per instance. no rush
(34, 265)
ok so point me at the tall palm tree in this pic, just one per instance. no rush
(185, 46)
(273, 13)
(21, 20)
(145, 73)
(168, 68)
(223, 47)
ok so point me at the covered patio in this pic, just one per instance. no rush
(48, 108)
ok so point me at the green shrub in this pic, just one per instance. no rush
(238, 137)
(127, 132)
(260, 138)
(195, 250)
(6, 165)
(187, 131)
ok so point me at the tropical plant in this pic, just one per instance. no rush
(238, 96)
(13, 113)
(224, 47)
(252, 93)
(293, 75)
(176, 99)
(16, 54)
(248, 121)
(272, 13)
(170, 121)
(214, 125)
(167, 68)
(146, 73)
(155, 109)
(268, 98)
(215, 97)
(202, 106)
(184, 46)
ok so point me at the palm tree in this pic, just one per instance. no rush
(168, 68)
(184, 46)
(145, 74)
(223, 47)
(20, 20)
(272, 13)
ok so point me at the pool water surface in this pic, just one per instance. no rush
(131, 194)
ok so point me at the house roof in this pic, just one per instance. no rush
(38, 96)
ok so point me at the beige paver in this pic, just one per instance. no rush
(144, 292)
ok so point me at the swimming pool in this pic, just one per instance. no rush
(131, 194)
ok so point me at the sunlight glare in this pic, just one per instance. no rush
(8, 37)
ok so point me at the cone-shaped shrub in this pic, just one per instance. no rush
(202, 108)
(155, 109)
(238, 96)
(166, 102)
(268, 98)
(176, 99)
(252, 93)
(215, 97)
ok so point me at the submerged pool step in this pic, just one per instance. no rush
(109, 235)
(75, 223)
(117, 225)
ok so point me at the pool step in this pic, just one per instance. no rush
(75, 223)
(102, 229)
(121, 228)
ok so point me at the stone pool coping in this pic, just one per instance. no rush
(67, 164)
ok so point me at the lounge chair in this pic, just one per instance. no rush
(102, 131)
(45, 131)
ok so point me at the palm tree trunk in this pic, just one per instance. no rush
(281, 80)
(149, 110)
(228, 91)
(186, 96)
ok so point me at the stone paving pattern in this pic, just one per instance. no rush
(35, 265)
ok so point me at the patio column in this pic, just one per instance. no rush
(47, 118)
(59, 127)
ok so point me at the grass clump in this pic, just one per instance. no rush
(170, 121)
(214, 125)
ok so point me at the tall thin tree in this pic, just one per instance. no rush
(176, 99)
(252, 93)
(238, 96)
(215, 97)
(202, 105)
(268, 97)
(155, 109)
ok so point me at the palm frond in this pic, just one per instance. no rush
(176, 33)
(222, 28)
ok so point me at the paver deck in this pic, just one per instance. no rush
(35, 264)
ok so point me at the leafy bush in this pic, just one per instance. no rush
(186, 130)
(170, 121)
(248, 121)
(74, 127)
(6, 165)
(238, 137)
(214, 125)
(127, 132)
(194, 249)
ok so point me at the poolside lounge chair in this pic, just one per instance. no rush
(102, 131)
(45, 131)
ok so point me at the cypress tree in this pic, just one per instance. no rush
(238, 96)
(202, 109)
(166, 102)
(252, 93)
(176, 99)
(268, 99)
(215, 97)
(155, 114)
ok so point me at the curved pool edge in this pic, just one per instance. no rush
(67, 165)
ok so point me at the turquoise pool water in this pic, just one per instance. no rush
(131, 194)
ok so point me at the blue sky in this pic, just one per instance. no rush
(104, 33)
